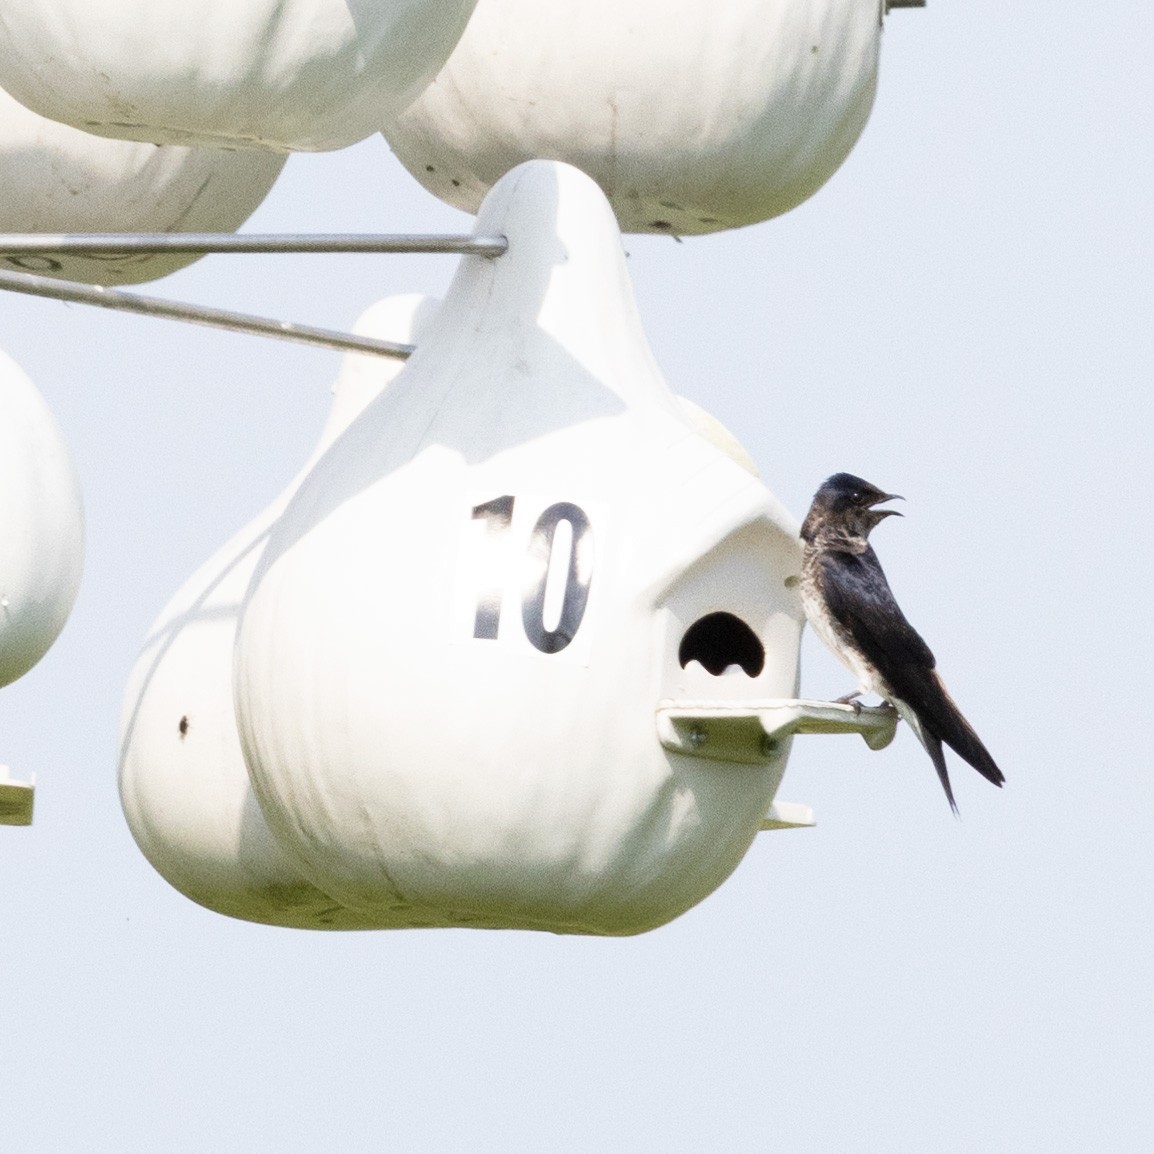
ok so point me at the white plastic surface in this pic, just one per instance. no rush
(425, 745)
(692, 115)
(183, 782)
(279, 74)
(56, 179)
(41, 525)
(738, 730)
(788, 815)
(17, 799)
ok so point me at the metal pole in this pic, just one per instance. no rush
(106, 298)
(124, 244)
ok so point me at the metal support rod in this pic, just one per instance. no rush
(124, 244)
(106, 298)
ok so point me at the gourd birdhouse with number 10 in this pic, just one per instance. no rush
(452, 651)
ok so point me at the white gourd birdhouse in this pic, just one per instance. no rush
(41, 525)
(692, 116)
(277, 74)
(457, 637)
(183, 782)
(57, 179)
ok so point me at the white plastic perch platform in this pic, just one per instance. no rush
(752, 731)
(16, 799)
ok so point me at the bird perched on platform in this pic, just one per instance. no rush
(848, 602)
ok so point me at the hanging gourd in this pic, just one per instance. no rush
(458, 634)
(41, 526)
(692, 116)
(56, 179)
(278, 74)
(183, 782)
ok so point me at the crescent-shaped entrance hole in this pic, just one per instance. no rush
(719, 640)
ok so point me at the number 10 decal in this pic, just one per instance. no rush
(557, 567)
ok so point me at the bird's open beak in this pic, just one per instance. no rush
(879, 514)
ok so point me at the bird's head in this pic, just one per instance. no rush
(846, 505)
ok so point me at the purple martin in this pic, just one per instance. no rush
(848, 602)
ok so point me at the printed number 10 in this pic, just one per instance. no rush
(541, 591)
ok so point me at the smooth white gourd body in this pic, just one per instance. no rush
(41, 525)
(277, 74)
(692, 116)
(183, 782)
(57, 179)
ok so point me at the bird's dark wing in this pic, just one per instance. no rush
(858, 596)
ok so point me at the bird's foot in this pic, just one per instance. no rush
(850, 699)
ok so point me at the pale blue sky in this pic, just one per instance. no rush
(963, 315)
